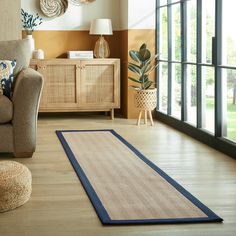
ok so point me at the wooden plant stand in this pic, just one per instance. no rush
(146, 114)
(146, 101)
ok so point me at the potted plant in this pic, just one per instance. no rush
(30, 22)
(146, 94)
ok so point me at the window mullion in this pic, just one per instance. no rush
(183, 59)
(220, 118)
(200, 87)
(170, 45)
(158, 51)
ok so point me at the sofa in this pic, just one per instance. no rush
(18, 114)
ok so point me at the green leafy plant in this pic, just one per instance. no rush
(30, 21)
(144, 64)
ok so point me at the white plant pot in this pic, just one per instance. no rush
(31, 42)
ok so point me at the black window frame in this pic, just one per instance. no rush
(216, 140)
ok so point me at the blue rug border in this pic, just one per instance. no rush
(97, 204)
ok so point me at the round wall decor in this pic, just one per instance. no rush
(80, 2)
(53, 8)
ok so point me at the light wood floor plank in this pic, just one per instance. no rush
(59, 205)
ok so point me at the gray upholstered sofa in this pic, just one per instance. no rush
(18, 116)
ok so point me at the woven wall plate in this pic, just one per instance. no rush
(80, 2)
(53, 8)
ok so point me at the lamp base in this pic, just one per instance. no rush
(101, 49)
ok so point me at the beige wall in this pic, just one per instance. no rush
(123, 14)
(136, 37)
(141, 29)
(77, 17)
(10, 24)
(55, 43)
(141, 14)
(133, 23)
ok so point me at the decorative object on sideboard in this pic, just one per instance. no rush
(80, 2)
(30, 22)
(31, 42)
(38, 54)
(145, 96)
(53, 8)
(101, 27)
(80, 54)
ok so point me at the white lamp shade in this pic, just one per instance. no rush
(101, 27)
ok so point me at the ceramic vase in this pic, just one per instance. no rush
(31, 42)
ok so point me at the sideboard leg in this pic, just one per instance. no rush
(112, 114)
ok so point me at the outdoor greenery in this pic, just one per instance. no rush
(231, 121)
(208, 76)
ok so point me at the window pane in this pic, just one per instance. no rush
(229, 76)
(208, 29)
(191, 94)
(163, 67)
(208, 81)
(163, 2)
(192, 30)
(163, 34)
(176, 90)
(229, 32)
(176, 32)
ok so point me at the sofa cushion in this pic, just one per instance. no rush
(18, 50)
(6, 109)
(6, 76)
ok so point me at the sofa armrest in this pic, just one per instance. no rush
(26, 97)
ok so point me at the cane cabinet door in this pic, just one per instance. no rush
(60, 79)
(100, 83)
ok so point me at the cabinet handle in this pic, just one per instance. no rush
(41, 67)
(80, 67)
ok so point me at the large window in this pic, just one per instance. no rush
(228, 71)
(196, 77)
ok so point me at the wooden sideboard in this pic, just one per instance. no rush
(73, 85)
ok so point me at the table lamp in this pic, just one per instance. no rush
(101, 27)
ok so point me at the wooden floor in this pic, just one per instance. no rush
(59, 205)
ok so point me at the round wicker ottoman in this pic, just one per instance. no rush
(15, 185)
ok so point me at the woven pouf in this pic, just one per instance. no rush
(15, 185)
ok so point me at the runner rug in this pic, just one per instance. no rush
(124, 186)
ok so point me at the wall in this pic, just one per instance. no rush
(141, 14)
(141, 29)
(136, 37)
(10, 20)
(71, 30)
(124, 6)
(133, 23)
(77, 17)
